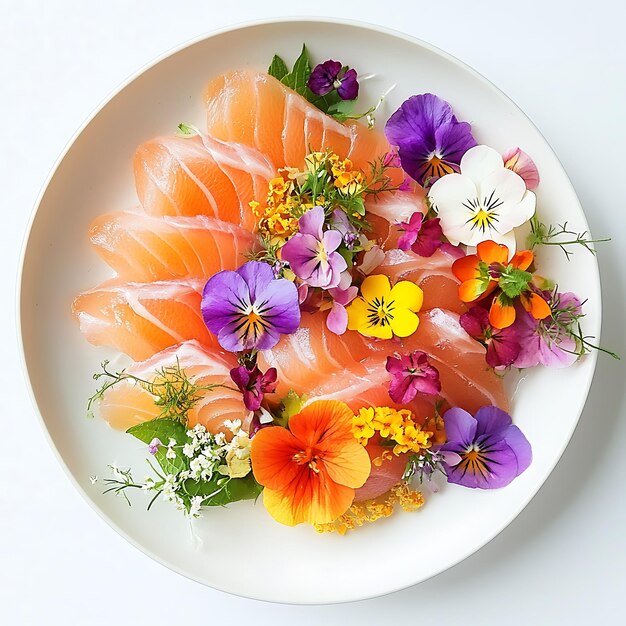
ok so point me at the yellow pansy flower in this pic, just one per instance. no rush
(382, 311)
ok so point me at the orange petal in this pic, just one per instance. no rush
(316, 500)
(322, 424)
(272, 453)
(501, 315)
(350, 465)
(535, 305)
(466, 267)
(523, 260)
(492, 252)
(471, 290)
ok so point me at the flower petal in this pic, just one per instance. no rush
(479, 162)
(518, 161)
(323, 423)
(349, 466)
(523, 260)
(492, 420)
(471, 290)
(337, 320)
(460, 426)
(357, 314)
(535, 305)
(375, 286)
(257, 276)
(407, 295)
(404, 322)
(501, 315)
(492, 252)
(520, 445)
(466, 267)
(312, 221)
(272, 452)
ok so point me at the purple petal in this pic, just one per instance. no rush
(491, 420)
(224, 296)
(301, 252)
(429, 238)
(407, 239)
(331, 240)
(322, 78)
(557, 352)
(402, 389)
(240, 376)
(312, 221)
(257, 276)
(503, 348)
(337, 320)
(520, 446)
(349, 88)
(475, 322)
(280, 299)
(460, 426)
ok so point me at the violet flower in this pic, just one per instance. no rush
(312, 252)
(548, 342)
(421, 235)
(254, 384)
(154, 446)
(503, 344)
(430, 140)
(328, 76)
(493, 452)
(412, 374)
(249, 308)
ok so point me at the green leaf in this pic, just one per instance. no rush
(341, 110)
(348, 255)
(185, 129)
(278, 68)
(231, 490)
(299, 75)
(164, 430)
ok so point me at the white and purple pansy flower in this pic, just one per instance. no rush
(492, 450)
(312, 253)
(249, 308)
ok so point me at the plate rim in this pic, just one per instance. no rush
(306, 19)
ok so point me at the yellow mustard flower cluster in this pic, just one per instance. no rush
(394, 424)
(276, 218)
(347, 181)
(361, 513)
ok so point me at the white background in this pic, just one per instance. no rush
(563, 560)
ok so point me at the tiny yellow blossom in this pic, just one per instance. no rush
(362, 425)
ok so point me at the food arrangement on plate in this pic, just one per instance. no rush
(320, 313)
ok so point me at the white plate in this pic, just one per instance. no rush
(241, 549)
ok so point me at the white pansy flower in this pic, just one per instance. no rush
(484, 202)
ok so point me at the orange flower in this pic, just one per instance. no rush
(310, 471)
(473, 270)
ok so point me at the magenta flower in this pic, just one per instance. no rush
(549, 342)
(420, 235)
(254, 384)
(412, 374)
(332, 75)
(430, 140)
(518, 161)
(154, 445)
(312, 252)
(503, 344)
(493, 452)
(250, 309)
(337, 320)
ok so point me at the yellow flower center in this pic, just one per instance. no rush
(380, 311)
(436, 167)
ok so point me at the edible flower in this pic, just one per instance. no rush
(550, 341)
(312, 252)
(154, 445)
(337, 320)
(412, 374)
(486, 201)
(331, 75)
(310, 471)
(250, 309)
(275, 218)
(430, 140)
(420, 235)
(382, 311)
(254, 384)
(481, 273)
(493, 452)
(503, 344)
(518, 161)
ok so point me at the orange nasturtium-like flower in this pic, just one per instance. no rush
(489, 269)
(310, 471)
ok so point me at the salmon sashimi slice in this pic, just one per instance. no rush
(141, 319)
(257, 110)
(143, 248)
(127, 404)
(201, 175)
(433, 274)
(317, 363)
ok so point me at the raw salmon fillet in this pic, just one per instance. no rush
(141, 319)
(257, 110)
(127, 404)
(144, 248)
(201, 175)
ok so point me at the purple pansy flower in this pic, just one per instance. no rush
(339, 221)
(249, 308)
(430, 140)
(412, 374)
(493, 452)
(548, 342)
(154, 445)
(328, 76)
(312, 252)
(254, 384)
(420, 235)
(503, 344)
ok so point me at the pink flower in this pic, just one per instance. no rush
(337, 320)
(420, 235)
(518, 161)
(254, 384)
(503, 345)
(412, 374)
(371, 260)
